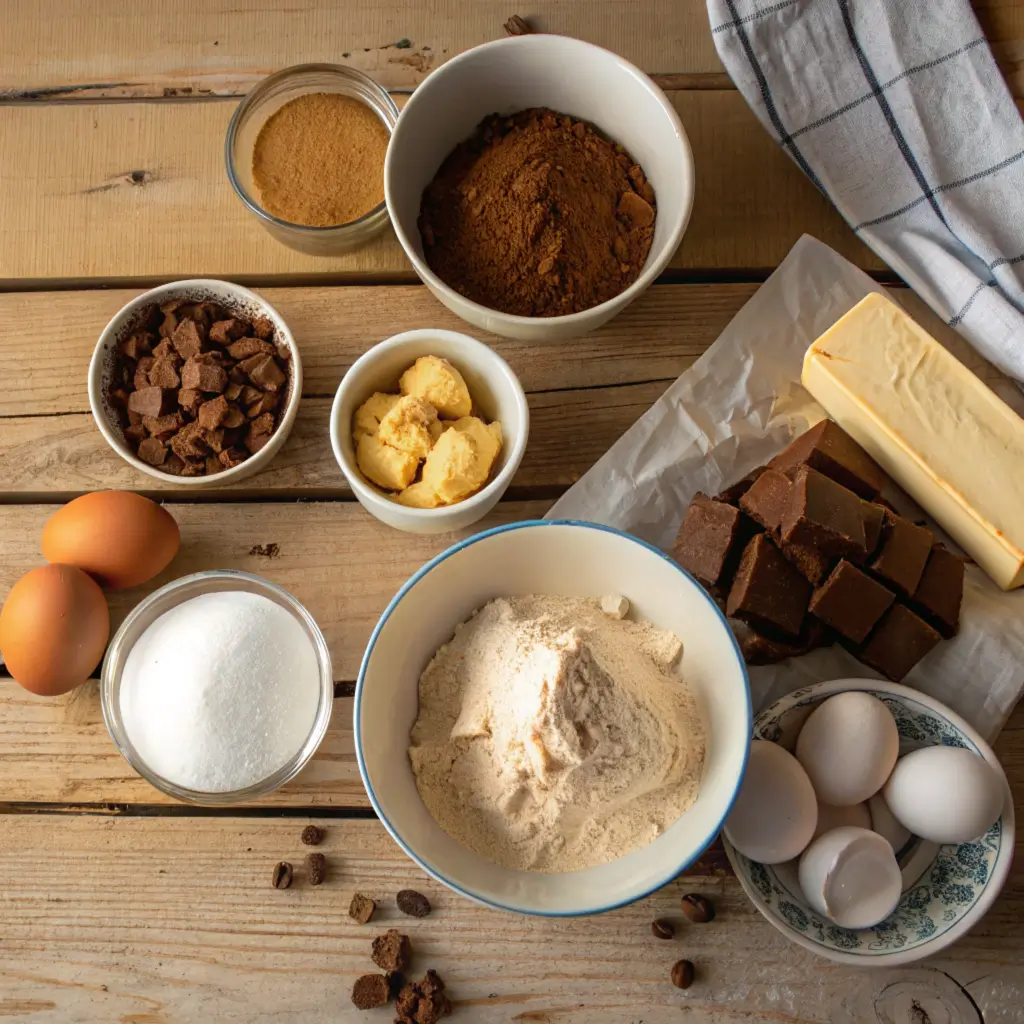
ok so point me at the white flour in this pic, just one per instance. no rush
(552, 737)
(220, 691)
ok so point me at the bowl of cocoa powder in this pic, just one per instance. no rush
(538, 185)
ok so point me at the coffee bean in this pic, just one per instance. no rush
(682, 974)
(413, 903)
(312, 835)
(282, 877)
(698, 909)
(316, 868)
(662, 929)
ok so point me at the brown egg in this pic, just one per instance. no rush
(54, 627)
(119, 538)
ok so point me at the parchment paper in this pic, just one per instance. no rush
(739, 405)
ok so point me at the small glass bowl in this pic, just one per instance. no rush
(252, 113)
(162, 600)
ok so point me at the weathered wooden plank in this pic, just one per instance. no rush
(169, 920)
(68, 175)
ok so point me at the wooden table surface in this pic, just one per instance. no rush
(118, 905)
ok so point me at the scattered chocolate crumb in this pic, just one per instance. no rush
(392, 951)
(413, 903)
(264, 550)
(282, 876)
(422, 1002)
(370, 991)
(312, 835)
(316, 868)
(361, 908)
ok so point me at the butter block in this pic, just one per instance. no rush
(931, 424)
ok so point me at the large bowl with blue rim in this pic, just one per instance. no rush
(946, 889)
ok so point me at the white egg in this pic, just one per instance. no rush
(775, 812)
(851, 876)
(848, 747)
(884, 822)
(945, 794)
(830, 817)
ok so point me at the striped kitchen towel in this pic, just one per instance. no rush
(895, 109)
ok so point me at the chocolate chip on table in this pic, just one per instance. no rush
(698, 909)
(662, 929)
(282, 877)
(392, 951)
(682, 974)
(361, 908)
(316, 868)
(413, 903)
(370, 991)
(422, 1002)
(312, 835)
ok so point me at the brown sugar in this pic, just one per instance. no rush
(319, 160)
(538, 214)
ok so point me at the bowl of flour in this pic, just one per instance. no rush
(552, 718)
(217, 688)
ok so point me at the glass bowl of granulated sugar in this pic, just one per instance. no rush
(217, 688)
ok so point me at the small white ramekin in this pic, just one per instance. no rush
(571, 77)
(232, 297)
(495, 390)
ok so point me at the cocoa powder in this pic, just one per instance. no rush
(538, 214)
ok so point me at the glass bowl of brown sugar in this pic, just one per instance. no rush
(305, 153)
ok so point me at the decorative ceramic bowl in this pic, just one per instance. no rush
(576, 560)
(946, 889)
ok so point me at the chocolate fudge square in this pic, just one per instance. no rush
(760, 649)
(899, 641)
(824, 515)
(939, 594)
(903, 554)
(767, 499)
(850, 601)
(827, 448)
(711, 540)
(814, 565)
(874, 525)
(731, 495)
(768, 592)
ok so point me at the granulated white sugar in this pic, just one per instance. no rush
(220, 691)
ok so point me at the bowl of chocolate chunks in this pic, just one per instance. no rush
(805, 552)
(196, 383)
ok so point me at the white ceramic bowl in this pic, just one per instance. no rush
(571, 77)
(552, 557)
(495, 389)
(232, 297)
(946, 889)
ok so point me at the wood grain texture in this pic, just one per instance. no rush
(68, 173)
(50, 51)
(173, 920)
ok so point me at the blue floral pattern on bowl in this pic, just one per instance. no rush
(934, 904)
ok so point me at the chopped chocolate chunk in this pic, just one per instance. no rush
(254, 442)
(231, 457)
(186, 340)
(898, 643)
(371, 991)
(768, 591)
(250, 394)
(150, 401)
(236, 375)
(212, 413)
(827, 448)
(162, 427)
(152, 451)
(824, 515)
(392, 951)
(759, 649)
(262, 328)
(361, 908)
(262, 424)
(225, 331)
(232, 391)
(284, 352)
(903, 554)
(213, 465)
(173, 464)
(711, 540)
(941, 590)
(873, 515)
(422, 1002)
(137, 345)
(165, 350)
(162, 374)
(203, 376)
(265, 403)
(810, 561)
(267, 374)
(246, 347)
(169, 325)
(136, 431)
(767, 500)
(850, 601)
(214, 440)
(189, 399)
(188, 444)
(142, 372)
(731, 495)
(234, 417)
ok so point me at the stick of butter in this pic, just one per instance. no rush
(932, 425)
